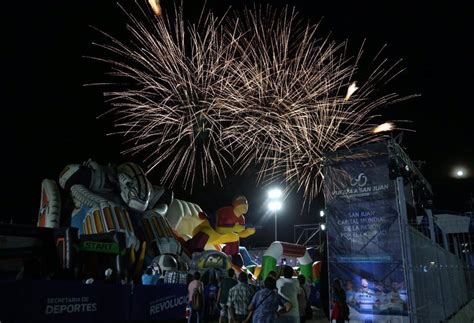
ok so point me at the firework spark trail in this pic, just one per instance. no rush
(171, 110)
(301, 99)
(259, 88)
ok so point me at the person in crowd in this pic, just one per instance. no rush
(379, 295)
(350, 292)
(364, 286)
(365, 297)
(303, 297)
(340, 310)
(189, 278)
(211, 302)
(239, 299)
(273, 274)
(403, 291)
(224, 288)
(394, 297)
(252, 283)
(267, 304)
(195, 285)
(289, 288)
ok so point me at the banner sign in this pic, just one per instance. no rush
(363, 229)
(60, 301)
(163, 302)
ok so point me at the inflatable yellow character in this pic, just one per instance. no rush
(230, 227)
(204, 235)
(231, 222)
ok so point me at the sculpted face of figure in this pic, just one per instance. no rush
(135, 189)
(240, 205)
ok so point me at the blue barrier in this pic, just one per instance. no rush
(162, 302)
(62, 301)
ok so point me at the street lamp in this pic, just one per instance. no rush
(275, 204)
(275, 193)
(460, 172)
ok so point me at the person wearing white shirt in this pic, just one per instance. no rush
(289, 288)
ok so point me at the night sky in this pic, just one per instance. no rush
(50, 119)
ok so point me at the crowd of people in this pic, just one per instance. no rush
(374, 300)
(380, 297)
(242, 299)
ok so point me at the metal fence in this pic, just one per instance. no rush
(438, 258)
(441, 281)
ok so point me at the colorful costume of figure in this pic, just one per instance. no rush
(121, 199)
(204, 236)
(230, 227)
(231, 220)
(114, 198)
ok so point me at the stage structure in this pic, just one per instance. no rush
(308, 234)
(373, 196)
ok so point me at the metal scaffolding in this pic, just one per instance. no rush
(308, 234)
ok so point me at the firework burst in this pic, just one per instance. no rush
(171, 109)
(300, 99)
(258, 88)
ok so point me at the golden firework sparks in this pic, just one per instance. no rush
(350, 90)
(387, 126)
(249, 90)
(155, 6)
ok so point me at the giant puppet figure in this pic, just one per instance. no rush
(229, 228)
(114, 199)
(121, 199)
(231, 220)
